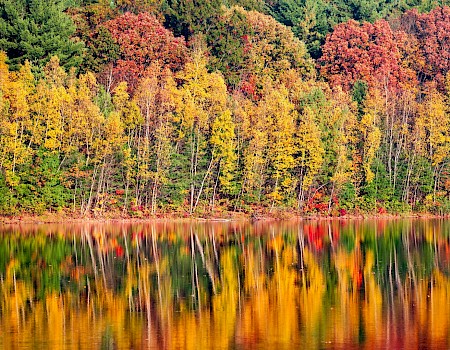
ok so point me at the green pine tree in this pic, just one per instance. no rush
(36, 30)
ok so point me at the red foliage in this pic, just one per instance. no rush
(247, 43)
(137, 208)
(316, 204)
(382, 210)
(367, 52)
(359, 278)
(315, 236)
(142, 40)
(321, 207)
(248, 86)
(119, 251)
(432, 31)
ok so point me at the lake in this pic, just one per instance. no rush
(343, 284)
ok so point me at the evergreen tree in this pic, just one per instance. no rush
(36, 30)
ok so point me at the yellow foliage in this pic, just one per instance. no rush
(434, 123)
(280, 115)
(223, 147)
(371, 136)
(310, 148)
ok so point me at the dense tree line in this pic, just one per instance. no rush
(149, 107)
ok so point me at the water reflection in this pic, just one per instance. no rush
(315, 285)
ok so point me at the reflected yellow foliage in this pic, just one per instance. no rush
(240, 288)
(372, 308)
(311, 299)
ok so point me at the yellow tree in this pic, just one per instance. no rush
(17, 92)
(223, 150)
(342, 121)
(280, 115)
(127, 114)
(155, 141)
(252, 141)
(4, 80)
(82, 138)
(371, 137)
(4, 117)
(435, 120)
(324, 137)
(108, 144)
(146, 97)
(49, 117)
(200, 99)
(310, 151)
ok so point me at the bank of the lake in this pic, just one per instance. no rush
(264, 216)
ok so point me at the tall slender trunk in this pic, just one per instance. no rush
(203, 184)
(192, 174)
(213, 199)
(90, 198)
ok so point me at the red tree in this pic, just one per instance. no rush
(142, 39)
(367, 52)
(432, 31)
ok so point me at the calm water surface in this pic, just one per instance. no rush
(309, 285)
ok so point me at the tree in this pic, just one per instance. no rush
(100, 46)
(274, 48)
(312, 20)
(310, 151)
(137, 6)
(143, 40)
(362, 52)
(252, 142)
(228, 42)
(36, 30)
(200, 99)
(431, 31)
(155, 138)
(280, 117)
(371, 136)
(223, 149)
(248, 47)
(190, 17)
(186, 17)
(436, 132)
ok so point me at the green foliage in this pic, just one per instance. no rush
(228, 41)
(237, 116)
(359, 93)
(186, 17)
(104, 101)
(397, 207)
(36, 30)
(347, 196)
(176, 190)
(6, 206)
(312, 20)
(101, 49)
(40, 187)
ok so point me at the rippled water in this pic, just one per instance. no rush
(312, 285)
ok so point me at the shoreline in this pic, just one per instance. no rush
(57, 218)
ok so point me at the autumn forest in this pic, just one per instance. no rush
(205, 108)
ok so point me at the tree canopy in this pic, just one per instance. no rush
(203, 108)
(35, 30)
